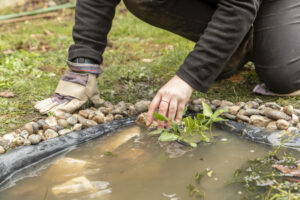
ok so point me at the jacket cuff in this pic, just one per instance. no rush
(189, 78)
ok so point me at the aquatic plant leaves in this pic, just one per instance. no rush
(167, 137)
(215, 116)
(207, 110)
(156, 132)
(160, 117)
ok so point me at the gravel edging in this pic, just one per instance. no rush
(16, 161)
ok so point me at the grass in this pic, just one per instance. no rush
(138, 60)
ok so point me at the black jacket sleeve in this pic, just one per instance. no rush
(229, 25)
(93, 20)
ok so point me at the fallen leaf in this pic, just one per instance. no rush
(7, 94)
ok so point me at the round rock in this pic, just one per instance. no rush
(64, 131)
(234, 109)
(72, 120)
(51, 121)
(2, 150)
(276, 115)
(49, 133)
(288, 110)
(24, 134)
(28, 127)
(63, 123)
(35, 139)
(141, 106)
(99, 119)
(77, 127)
(259, 121)
(282, 124)
(272, 126)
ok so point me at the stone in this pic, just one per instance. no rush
(295, 119)
(273, 105)
(109, 118)
(77, 127)
(28, 127)
(62, 123)
(68, 115)
(4, 143)
(141, 106)
(241, 104)
(26, 142)
(103, 110)
(2, 150)
(24, 134)
(64, 132)
(84, 113)
(58, 128)
(46, 127)
(10, 137)
(276, 115)
(234, 109)
(243, 118)
(41, 123)
(259, 121)
(108, 104)
(272, 125)
(35, 139)
(199, 101)
(51, 121)
(131, 110)
(262, 107)
(251, 111)
(35, 127)
(258, 100)
(118, 117)
(225, 104)
(292, 130)
(72, 120)
(195, 108)
(251, 104)
(89, 123)
(216, 103)
(61, 117)
(282, 124)
(298, 126)
(297, 112)
(288, 110)
(121, 104)
(19, 141)
(120, 110)
(99, 119)
(229, 116)
(49, 134)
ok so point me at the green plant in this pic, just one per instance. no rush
(200, 125)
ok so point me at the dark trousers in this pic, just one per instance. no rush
(276, 43)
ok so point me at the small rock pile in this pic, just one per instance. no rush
(54, 126)
(268, 115)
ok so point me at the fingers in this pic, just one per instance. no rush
(152, 107)
(180, 111)
(172, 109)
(163, 110)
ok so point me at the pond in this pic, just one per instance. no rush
(129, 164)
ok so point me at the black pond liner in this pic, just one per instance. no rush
(19, 160)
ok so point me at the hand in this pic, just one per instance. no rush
(171, 100)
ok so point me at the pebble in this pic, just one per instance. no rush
(229, 116)
(241, 104)
(216, 103)
(28, 127)
(276, 115)
(272, 125)
(72, 120)
(99, 119)
(195, 108)
(4, 143)
(292, 130)
(243, 118)
(64, 131)
(49, 133)
(118, 117)
(251, 111)
(2, 150)
(61, 117)
(260, 121)
(251, 104)
(41, 123)
(288, 110)
(24, 134)
(273, 105)
(297, 112)
(68, 115)
(46, 127)
(141, 106)
(63, 123)
(20, 141)
(234, 109)
(35, 127)
(77, 127)
(295, 119)
(108, 104)
(103, 110)
(26, 142)
(282, 124)
(225, 104)
(10, 137)
(83, 113)
(199, 101)
(58, 128)
(120, 110)
(51, 121)
(109, 118)
(131, 110)
(35, 139)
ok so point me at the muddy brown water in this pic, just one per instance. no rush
(131, 165)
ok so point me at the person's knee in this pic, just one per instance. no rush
(278, 80)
